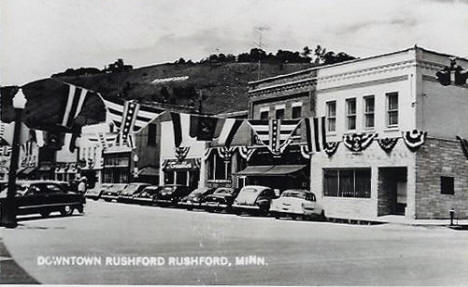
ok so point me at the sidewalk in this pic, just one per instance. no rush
(397, 219)
(10, 271)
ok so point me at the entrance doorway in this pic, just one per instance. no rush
(392, 191)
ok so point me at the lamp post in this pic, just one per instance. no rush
(9, 210)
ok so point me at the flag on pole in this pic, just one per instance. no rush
(274, 134)
(181, 125)
(227, 130)
(73, 104)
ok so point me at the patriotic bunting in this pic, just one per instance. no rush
(464, 146)
(131, 115)
(387, 144)
(181, 153)
(202, 128)
(305, 152)
(358, 142)
(246, 152)
(331, 148)
(274, 134)
(228, 128)
(181, 126)
(225, 152)
(414, 139)
(315, 132)
(208, 152)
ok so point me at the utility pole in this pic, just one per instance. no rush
(260, 30)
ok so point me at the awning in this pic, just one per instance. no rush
(149, 171)
(270, 170)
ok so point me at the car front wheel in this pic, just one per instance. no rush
(67, 211)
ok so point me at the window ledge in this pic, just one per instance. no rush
(392, 129)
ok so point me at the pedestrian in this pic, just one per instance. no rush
(82, 185)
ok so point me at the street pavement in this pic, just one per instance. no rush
(289, 252)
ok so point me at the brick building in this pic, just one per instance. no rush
(383, 96)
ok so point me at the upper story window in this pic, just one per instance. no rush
(351, 114)
(264, 114)
(279, 112)
(152, 134)
(369, 105)
(392, 109)
(331, 116)
(296, 111)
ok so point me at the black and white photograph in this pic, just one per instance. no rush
(238, 143)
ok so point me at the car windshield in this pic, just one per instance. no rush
(251, 190)
(294, 193)
(224, 190)
(132, 187)
(199, 191)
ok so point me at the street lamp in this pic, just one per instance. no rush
(135, 166)
(9, 209)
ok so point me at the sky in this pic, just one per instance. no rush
(42, 37)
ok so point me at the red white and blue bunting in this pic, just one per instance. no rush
(387, 144)
(305, 152)
(358, 142)
(274, 134)
(181, 152)
(414, 139)
(331, 147)
(246, 152)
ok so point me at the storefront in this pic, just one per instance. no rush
(185, 172)
(117, 167)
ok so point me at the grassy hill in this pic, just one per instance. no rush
(223, 85)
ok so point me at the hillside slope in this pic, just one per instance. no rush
(223, 85)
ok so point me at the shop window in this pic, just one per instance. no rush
(351, 114)
(347, 182)
(168, 177)
(392, 109)
(447, 185)
(369, 105)
(152, 134)
(181, 177)
(331, 116)
(219, 169)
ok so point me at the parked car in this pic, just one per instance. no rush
(44, 197)
(254, 198)
(221, 199)
(145, 196)
(196, 198)
(127, 193)
(171, 194)
(113, 191)
(297, 203)
(96, 192)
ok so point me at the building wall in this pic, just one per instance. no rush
(436, 158)
(373, 157)
(197, 150)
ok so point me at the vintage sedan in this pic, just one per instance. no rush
(196, 198)
(221, 199)
(44, 197)
(96, 192)
(297, 203)
(145, 196)
(113, 191)
(171, 194)
(254, 199)
(128, 193)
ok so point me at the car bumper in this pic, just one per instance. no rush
(163, 200)
(214, 205)
(190, 204)
(111, 197)
(245, 207)
(142, 199)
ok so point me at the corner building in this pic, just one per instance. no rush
(384, 95)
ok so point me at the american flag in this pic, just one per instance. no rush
(274, 134)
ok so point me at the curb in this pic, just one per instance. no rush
(10, 271)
